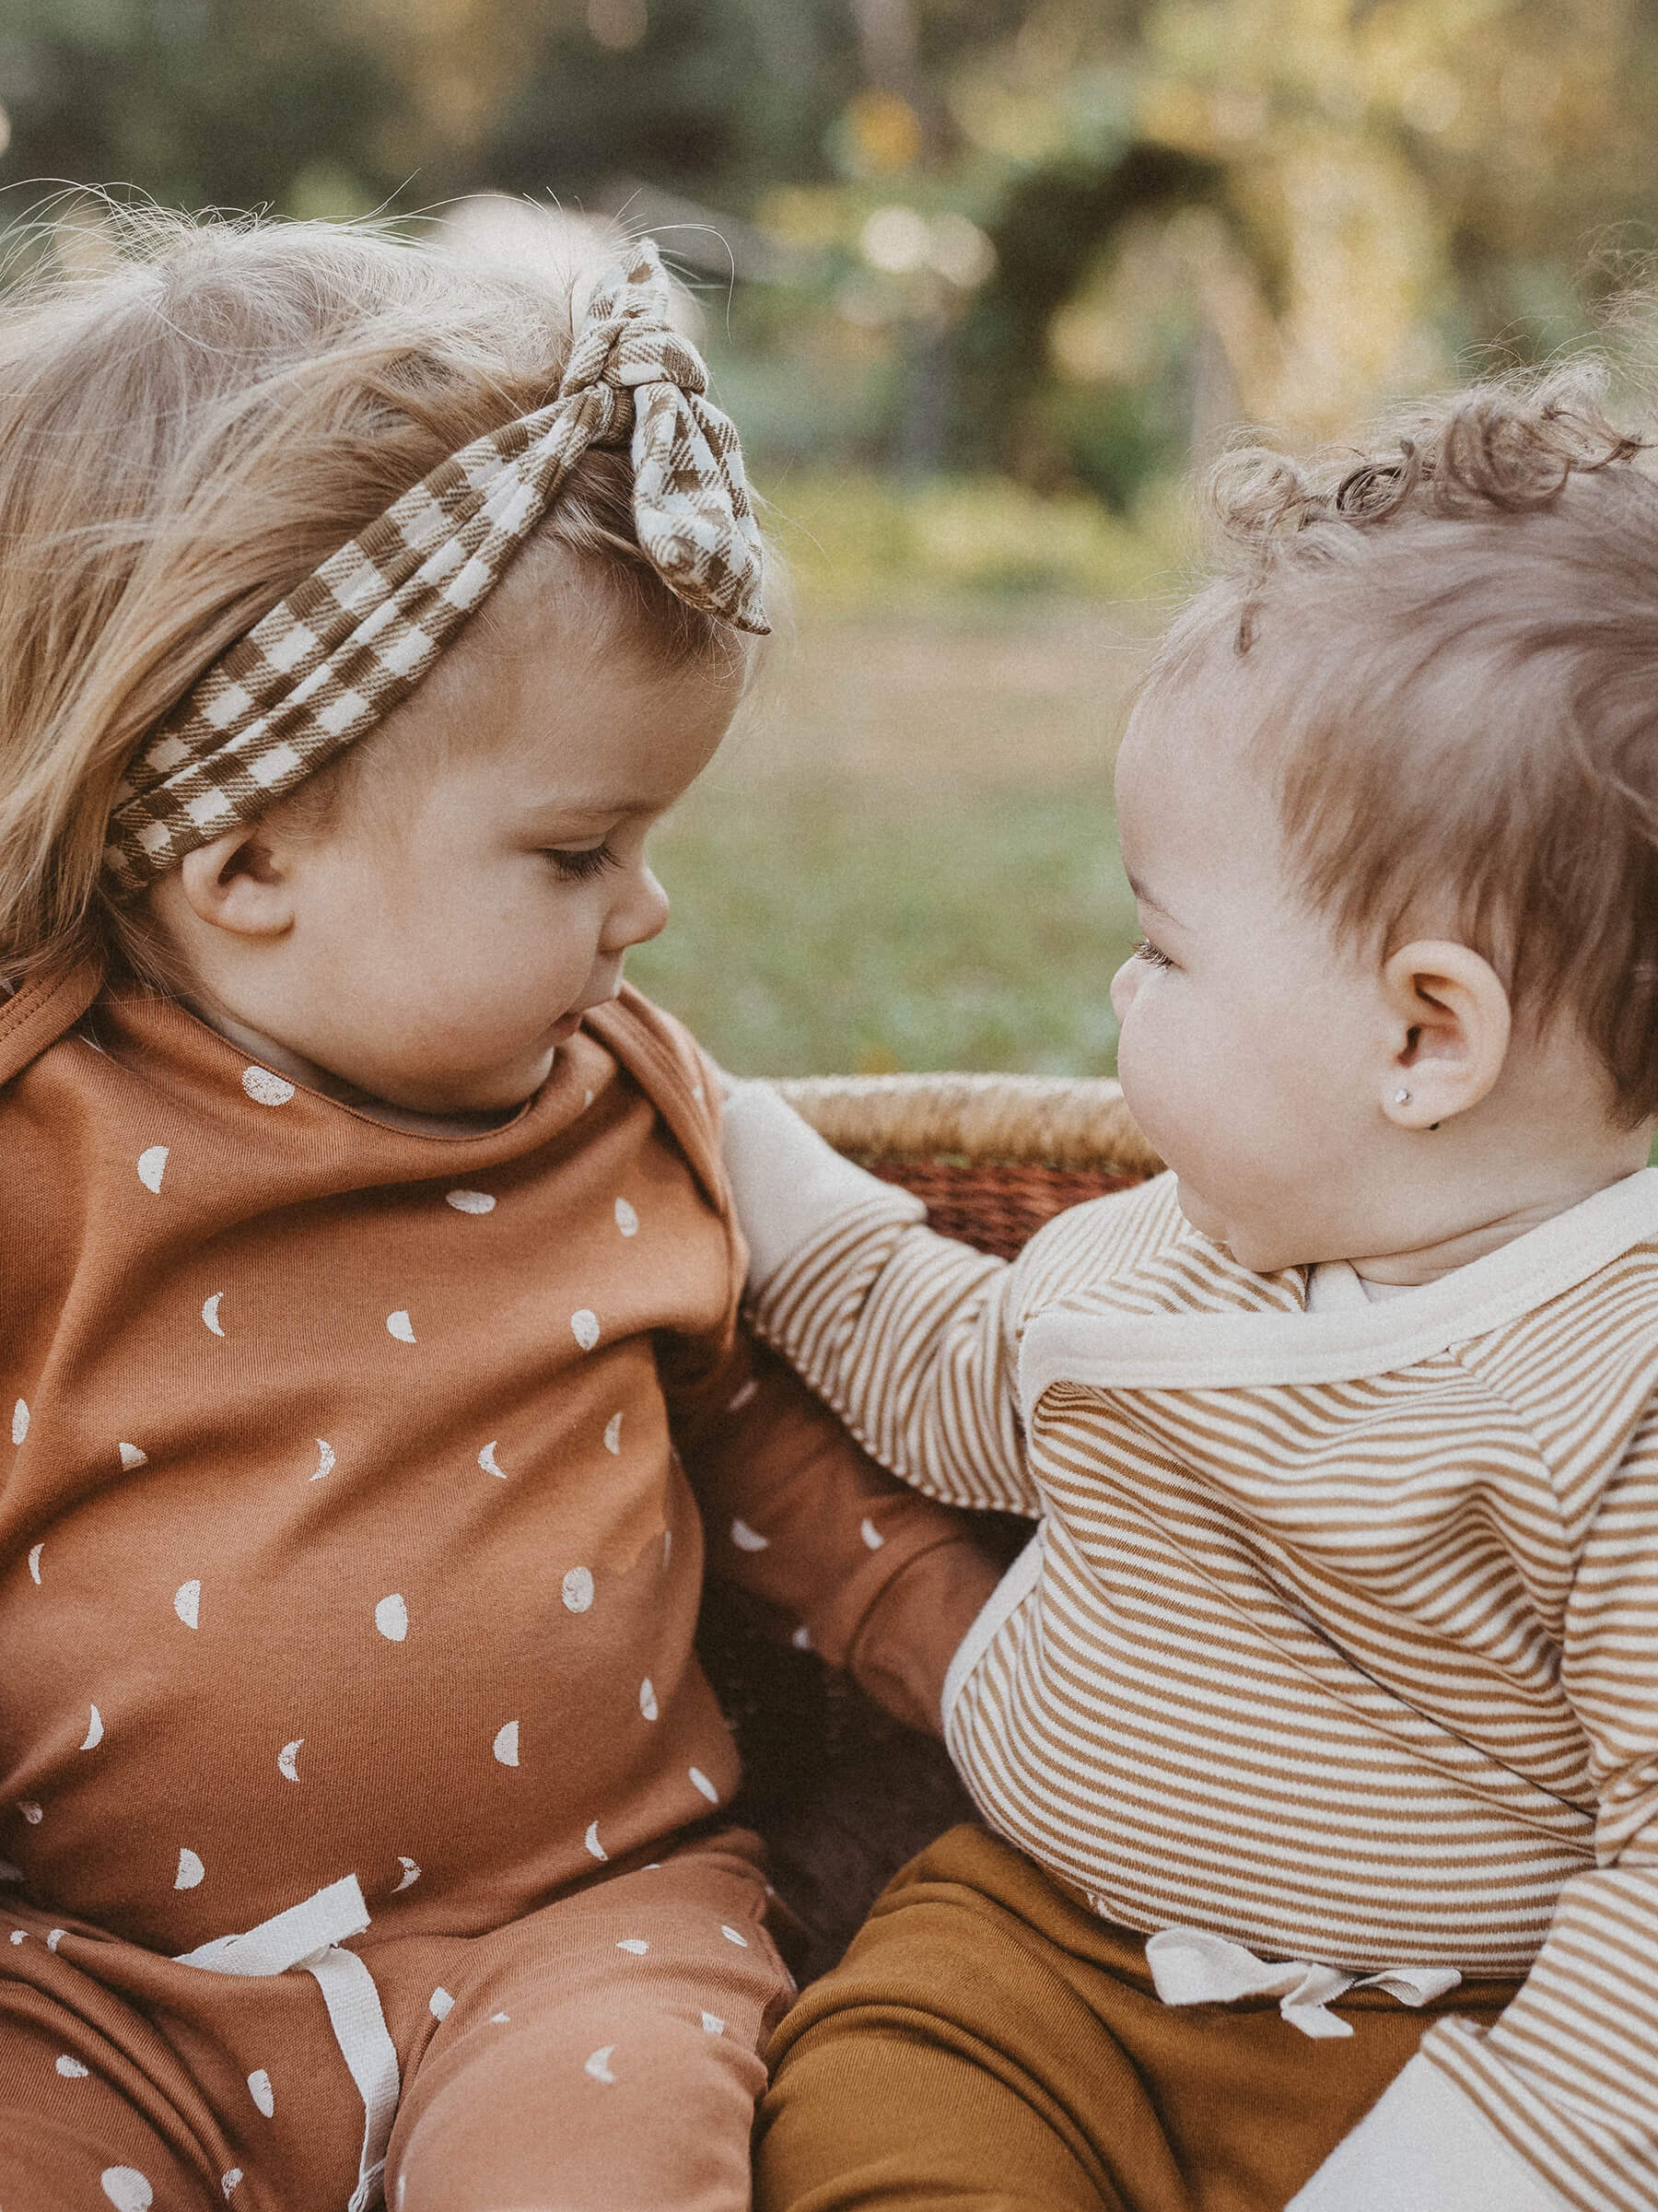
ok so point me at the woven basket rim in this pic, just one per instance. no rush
(1079, 1123)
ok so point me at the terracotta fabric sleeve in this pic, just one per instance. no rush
(883, 1582)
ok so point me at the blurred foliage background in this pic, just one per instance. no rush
(981, 280)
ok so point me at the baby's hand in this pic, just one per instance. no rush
(788, 1182)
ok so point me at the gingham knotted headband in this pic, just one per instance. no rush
(344, 647)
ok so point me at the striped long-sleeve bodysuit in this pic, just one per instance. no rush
(349, 1572)
(1338, 1636)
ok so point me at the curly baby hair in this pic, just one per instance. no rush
(187, 434)
(1446, 651)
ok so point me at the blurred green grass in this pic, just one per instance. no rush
(818, 929)
(858, 541)
(904, 856)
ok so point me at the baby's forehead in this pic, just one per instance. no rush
(1205, 713)
(1192, 781)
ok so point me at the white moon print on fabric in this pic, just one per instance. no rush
(19, 1934)
(627, 1221)
(489, 1463)
(870, 1534)
(8, 1873)
(612, 1434)
(132, 1458)
(802, 1639)
(55, 1937)
(647, 1698)
(441, 2004)
(325, 1460)
(591, 1839)
(599, 2065)
(126, 2189)
(259, 2089)
(187, 1602)
(499, 2020)
(34, 1562)
(636, 1944)
(152, 1167)
(579, 1589)
(94, 1735)
(71, 2068)
(287, 1760)
(229, 2181)
(210, 1313)
(33, 1813)
(584, 1327)
(747, 1539)
(398, 1324)
(191, 1871)
(391, 1618)
(734, 1935)
(266, 1089)
(700, 1783)
(19, 1422)
(506, 1747)
(470, 1201)
(410, 1875)
(750, 1390)
(713, 2024)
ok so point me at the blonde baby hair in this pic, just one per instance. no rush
(187, 434)
(1446, 649)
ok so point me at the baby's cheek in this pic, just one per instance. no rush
(1124, 986)
(1150, 1097)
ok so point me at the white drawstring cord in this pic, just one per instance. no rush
(308, 1936)
(1190, 1966)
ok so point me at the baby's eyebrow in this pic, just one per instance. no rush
(597, 810)
(1146, 897)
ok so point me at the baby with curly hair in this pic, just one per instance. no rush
(1316, 1733)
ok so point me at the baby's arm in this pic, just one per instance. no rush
(1555, 2107)
(909, 1336)
(881, 1582)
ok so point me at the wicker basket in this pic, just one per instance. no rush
(843, 1795)
(994, 1156)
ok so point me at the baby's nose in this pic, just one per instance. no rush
(1124, 985)
(639, 914)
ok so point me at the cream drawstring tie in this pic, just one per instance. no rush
(310, 1935)
(1189, 1966)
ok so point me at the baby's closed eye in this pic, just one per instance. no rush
(580, 864)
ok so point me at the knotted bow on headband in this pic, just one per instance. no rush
(356, 637)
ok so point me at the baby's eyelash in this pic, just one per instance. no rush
(1150, 954)
(580, 867)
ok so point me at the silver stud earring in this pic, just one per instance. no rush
(1401, 1098)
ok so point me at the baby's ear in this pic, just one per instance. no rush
(1451, 1021)
(240, 882)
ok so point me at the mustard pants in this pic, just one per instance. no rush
(600, 2053)
(989, 2043)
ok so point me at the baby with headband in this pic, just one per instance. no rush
(368, 1279)
(1316, 1733)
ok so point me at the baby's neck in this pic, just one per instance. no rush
(300, 1070)
(1462, 1244)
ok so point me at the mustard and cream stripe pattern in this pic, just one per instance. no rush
(1339, 1635)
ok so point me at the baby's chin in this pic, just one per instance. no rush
(1209, 1221)
(1253, 1248)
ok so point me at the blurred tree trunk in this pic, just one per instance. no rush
(887, 44)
